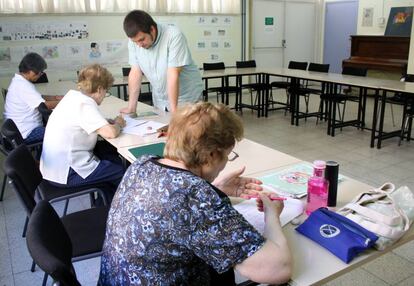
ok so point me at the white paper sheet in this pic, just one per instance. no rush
(248, 209)
(141, 127)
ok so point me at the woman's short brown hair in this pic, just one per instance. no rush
(197, 130)
(94, 76)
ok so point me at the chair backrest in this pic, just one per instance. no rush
(10, 135)
(246, 64)
(297, 65)
(49, 244)
(318, 67)
(354, 71)
(42, 79)
(24, 174)
(409, 78)
(4, 93)
(213, 66)
(45, 112)
(125, 71)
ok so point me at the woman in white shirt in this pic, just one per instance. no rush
(71, 156)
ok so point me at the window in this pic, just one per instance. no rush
(114, 6)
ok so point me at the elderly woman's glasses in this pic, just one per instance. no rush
(232, 156)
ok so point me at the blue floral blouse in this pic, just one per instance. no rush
(166, 225)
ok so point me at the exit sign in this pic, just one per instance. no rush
(269, 21)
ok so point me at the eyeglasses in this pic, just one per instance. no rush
(232, 156)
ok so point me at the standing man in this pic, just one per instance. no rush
(162, 54)
(22, 100)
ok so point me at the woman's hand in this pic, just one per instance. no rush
(120, 121)
(264, 203)
(232, 184)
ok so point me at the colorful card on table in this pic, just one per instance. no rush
(151, 149)
(291, 182)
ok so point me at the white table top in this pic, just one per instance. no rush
(110, 108)
(312, 263)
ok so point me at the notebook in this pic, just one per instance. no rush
(292, 209)
(153, 149)
(290, 182)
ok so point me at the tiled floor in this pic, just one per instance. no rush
(308, 141)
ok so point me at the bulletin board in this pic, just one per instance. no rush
(69, 42)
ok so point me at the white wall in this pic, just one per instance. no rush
(109, 27)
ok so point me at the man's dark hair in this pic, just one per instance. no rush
(93, 45)
(138, 21)
(32, 62)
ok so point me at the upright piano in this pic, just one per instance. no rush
(387, 53)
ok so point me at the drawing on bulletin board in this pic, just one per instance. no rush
(28, 31)
(291, 182)
(94, 52)
(399, 22)
(50, 52)
(5, 54)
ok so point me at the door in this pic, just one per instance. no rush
(291, 37)
(300, 32)
(340, 22)
(268, 28)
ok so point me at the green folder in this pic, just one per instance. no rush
(153, 149)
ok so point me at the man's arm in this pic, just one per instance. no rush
(173, 86)
(134, 87)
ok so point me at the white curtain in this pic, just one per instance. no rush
(113, 6)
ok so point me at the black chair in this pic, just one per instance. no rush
(341, 95)
(28, 168)
(308, 88)
(86, 228)
(42, 79)
(45, 112)
(407, 122)
(256, 86)
(224, 89)
(50, 245)
(284, 84)
(10, 138)
(125, 71)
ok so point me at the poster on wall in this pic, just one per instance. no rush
(29, 31)
(367, 17)
(67, 56)
(399, 22)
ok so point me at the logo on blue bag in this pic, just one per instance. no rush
(329, 231)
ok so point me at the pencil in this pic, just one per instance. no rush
(270, 198)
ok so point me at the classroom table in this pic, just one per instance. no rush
(332, 80)
(60, 88)
(110, 107)
(313, 264)
(379, 110)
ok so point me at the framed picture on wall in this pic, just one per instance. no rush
(399, 22)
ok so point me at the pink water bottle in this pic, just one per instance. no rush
(317, 188)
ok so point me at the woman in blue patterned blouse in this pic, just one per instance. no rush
(171, 221)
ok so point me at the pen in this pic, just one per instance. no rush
(270, 198)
